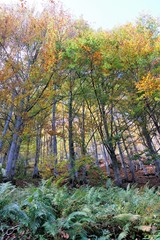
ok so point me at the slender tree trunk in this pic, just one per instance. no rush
(54, 138)
(151, 149)
(6, 126)
(83, 145)
(83, 148)
(131, 166)
(148, 140)
(122, 161)
(110, 149)
(106, 161)
(16, 155)
(95, 151)
(48, 141)
(140, 161)
(27, 156)
(104, 133)
(136, 150)
(121, 152)
(64, 138)
(38, 146)
(44, 147)
(71, 143)
(153, 117)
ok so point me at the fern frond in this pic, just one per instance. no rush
(125, 232)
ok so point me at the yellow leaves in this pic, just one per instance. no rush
(149, 85)
(53, 132)
(132, 44)
(49, 62)
(94, 55)
(86, 48)
(157, 45)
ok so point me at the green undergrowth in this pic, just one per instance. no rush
(48, 212)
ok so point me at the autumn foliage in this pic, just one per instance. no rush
(69, 93)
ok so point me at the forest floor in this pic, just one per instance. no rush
(94, 178)
(141, 179)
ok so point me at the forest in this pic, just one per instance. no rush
(79, 127)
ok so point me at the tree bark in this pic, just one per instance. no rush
(110, 149)
(14, 148)
(64, 138)
(83, 145)
(106, 161)
(95, 151)
(71, 142)
(122, 161)
(131, 166)
(150, 146)
(54, 138)
(27, 156)
(38, 146)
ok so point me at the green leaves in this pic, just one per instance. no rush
(127, 217)
(7, 191)
(47, 212)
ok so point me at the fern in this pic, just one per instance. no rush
(39, 209)
(48, 212)
(13, 212)
(52, 228)
(6, 193)
(127, 228)
(78, 216)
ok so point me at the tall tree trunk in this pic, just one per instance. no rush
(120, 151)
(95, 151)
(27, 156)
(83, 148)
(13, 148)
(64, 138)
(44, 147)
(110, 148)
(151, 149)
(131, 166)
(104, 133)
(83, 145)
(106, 161)
(122, 161)
(71, 142)
(153, 117)
(54, 138)
(6, 126)
(38, 146)
(16, 155)
(139, 159)
(135, 149)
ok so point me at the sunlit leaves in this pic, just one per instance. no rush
(149, 85)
